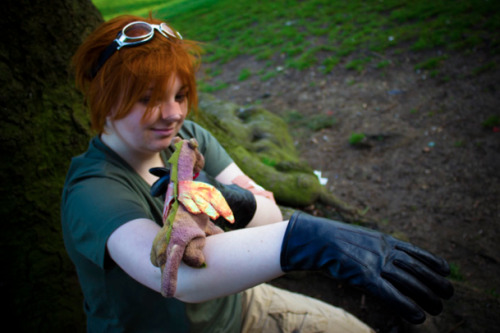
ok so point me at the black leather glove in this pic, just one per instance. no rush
(408, 278)
(241, 201)
(159, 187)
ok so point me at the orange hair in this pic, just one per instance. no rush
(131, 71)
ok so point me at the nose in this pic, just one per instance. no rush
(171, 111)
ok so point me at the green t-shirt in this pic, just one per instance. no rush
(101, 193)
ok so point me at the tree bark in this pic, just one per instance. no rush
(43, 124)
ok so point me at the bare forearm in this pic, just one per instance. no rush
(235, 260)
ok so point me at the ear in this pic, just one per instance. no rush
(108, 125)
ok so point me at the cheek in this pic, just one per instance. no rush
(149, 116)
(184, 110)
(137, 119)
(130, 125)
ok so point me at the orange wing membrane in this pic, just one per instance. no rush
(198, 197)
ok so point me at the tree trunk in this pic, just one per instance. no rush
(43, 124)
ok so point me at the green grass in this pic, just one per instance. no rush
(383, 64)
(492, 121)
(431, 63)
(315, 123)
(484, 68)
(324, 33)
(244, 74)
(356, 138)
(212, 87)
(358, 64)
(455, 272)
(320, 121)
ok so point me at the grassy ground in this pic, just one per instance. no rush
(322, 33)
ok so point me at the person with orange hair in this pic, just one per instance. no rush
(138, 79)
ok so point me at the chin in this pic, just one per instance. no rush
(163, 144)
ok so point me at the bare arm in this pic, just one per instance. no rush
(235, 260)
(267, 210)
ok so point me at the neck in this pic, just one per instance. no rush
(143, 165)
(139, 161)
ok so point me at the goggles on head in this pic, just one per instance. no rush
(134, 33)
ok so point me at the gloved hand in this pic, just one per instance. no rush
(241, 201)
(408, 278)
(159, 187)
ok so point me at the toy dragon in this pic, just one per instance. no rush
(189, 206)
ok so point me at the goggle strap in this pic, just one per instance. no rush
(105, 55)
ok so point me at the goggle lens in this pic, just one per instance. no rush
(137, 30)
(166, 29)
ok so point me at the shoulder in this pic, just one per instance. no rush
(100, 173)
(98, 161)
(191, 129)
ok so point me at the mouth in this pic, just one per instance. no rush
(163, 131)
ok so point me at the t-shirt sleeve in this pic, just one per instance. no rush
(94, 208)
(216, 157)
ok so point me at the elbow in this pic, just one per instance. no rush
(270, 210)
(189, 286)
(267, 212)
(275, 214)
(199, 296)
(187, 299)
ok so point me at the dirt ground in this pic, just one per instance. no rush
(428, 171)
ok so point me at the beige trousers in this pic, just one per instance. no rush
(267, 309)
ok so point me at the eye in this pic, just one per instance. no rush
(145, 100)
(181, 96)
